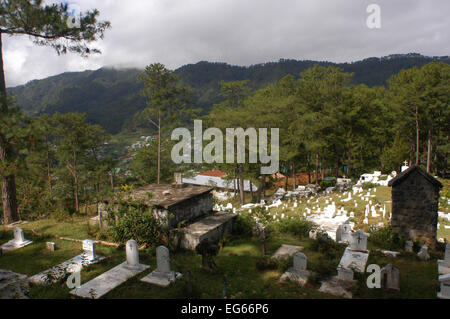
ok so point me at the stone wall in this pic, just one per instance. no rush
(189, 210)
(415, 208)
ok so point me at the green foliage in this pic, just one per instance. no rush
(385, 238)
(327, 246)
(297, 226)
(134, 220)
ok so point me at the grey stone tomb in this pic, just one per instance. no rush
(390, 277)
(162, 276)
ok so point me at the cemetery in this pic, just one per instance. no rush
(295, 244)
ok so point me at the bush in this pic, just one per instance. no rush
(327, 246)
(134, 220)
(385, 238)
(298, 226)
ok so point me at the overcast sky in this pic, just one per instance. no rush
(240, 32)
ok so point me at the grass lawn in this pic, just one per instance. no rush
(236, 260)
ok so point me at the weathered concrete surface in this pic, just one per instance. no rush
(211, 227)
(355, 260)
(13, 285)
(295, 275)
(107, 281)
(286, 251)
(13, 245)
(58, 272)
(162, 279)
(337, 287)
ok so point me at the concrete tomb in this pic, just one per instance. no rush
(109, 280)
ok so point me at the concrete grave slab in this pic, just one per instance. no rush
(355, 260)
(286, 251)
(59, 271)
(107, 281)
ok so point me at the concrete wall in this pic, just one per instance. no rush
(188, 210)
(415, 209)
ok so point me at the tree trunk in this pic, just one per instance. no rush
(159, 145)
(241, 185)
(417, 136)
(8, 182)
(294, 177)
(49, 173)
(429, 152)
(317, 169)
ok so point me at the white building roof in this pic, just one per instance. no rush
(217, 182)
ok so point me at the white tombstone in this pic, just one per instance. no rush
(132, 252)
(162, 275)
(444, 281)
(423, 253)
(345, 232)
(89, 250)
(352, 215)
(19, 238)
(359, 240)
(300, 261)
(312, 234)
(162, 259)
(366, 221)
(345, 274)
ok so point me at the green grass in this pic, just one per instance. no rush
(236, 260)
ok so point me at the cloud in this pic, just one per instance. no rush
(242, 32)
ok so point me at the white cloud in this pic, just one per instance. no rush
(243, 32)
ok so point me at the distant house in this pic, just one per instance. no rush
(216, 179)
(415, 195)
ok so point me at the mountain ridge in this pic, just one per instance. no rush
(110, 96)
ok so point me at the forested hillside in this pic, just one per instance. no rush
(111, 97)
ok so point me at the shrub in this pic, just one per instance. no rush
(298, 226)
(327, 246)
(134, 220)
(385, 238)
